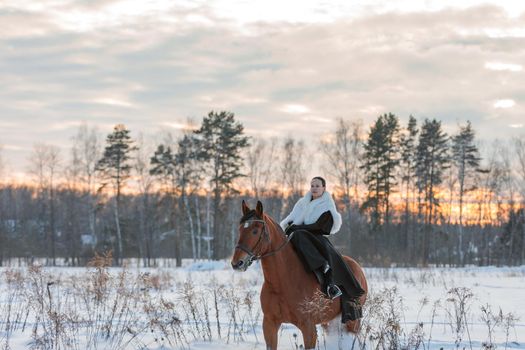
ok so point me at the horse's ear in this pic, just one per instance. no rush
(259, 209)
(245, 208)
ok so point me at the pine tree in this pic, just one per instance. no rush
(163, 166)
(115, 170)
(432, 159)
(408, 167)
(466, 160)
(219, 142)
(380, 161)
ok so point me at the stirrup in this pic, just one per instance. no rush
(333, 291)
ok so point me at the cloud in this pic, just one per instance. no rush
(508, 103)
(175, 125)
(499, 33)
(114, 102)
(12, 147)
(294, 109)
(499, 66)
(155, 63)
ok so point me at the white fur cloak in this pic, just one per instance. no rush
(306, 211)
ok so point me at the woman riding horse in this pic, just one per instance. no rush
(287, 286)
(313, 217)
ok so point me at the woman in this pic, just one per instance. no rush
(313, 217)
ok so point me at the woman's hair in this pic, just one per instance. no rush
(323, 181)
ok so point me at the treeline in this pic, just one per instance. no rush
(409, 195)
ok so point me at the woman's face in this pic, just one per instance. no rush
(316, 188)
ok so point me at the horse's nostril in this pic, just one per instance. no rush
(237, 265)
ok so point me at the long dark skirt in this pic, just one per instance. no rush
(316, 250)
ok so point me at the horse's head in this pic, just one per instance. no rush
(253, 237)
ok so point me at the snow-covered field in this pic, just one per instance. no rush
(206, 305)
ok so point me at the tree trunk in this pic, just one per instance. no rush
(52, 224)
(522, 220)
(199, 228)
(348, 218)
(118, 257)
(142, 239)
(217, 239)
(178, 233)
(208, 224)
(460, 250)
(192, 229)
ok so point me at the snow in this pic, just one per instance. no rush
(155, 299)
(207, 266)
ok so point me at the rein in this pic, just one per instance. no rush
(264, 233)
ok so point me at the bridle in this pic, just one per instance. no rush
(252, 256)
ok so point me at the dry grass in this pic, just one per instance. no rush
(102, 308)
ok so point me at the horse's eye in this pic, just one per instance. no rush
(254, 231)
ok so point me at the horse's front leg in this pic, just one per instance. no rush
(309, 335)
(270, 330)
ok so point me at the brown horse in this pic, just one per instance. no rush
(287, 286)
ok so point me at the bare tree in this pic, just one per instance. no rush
(85, 153)
(3, 236)
(2, 164)
(44, 166)
(342, 153)
(493, 194)
(292, 168)
(519, 146)
(261, 164)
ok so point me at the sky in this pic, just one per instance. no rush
(285, 68)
